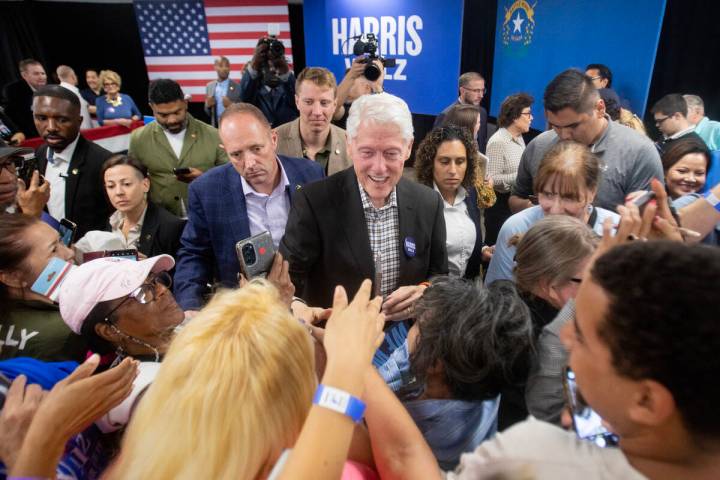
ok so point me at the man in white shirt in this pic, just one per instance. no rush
(70, 163)
(69, 80)
(645, 359)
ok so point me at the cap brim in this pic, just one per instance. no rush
(8, 151)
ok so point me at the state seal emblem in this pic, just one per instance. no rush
(518, 24)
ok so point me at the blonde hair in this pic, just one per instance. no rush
(233, 391)
(629, 119)
(570, 169)
(110, 75)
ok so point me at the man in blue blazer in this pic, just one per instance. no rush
(229, 203)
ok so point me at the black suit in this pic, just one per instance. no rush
(160, 233)
(482, 133)
(327, 244)
(18, 106)
(85, 200)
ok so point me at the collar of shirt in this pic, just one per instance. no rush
(117, 219)
(601, 144)
(248, 190)
(367, 204)
(506, 136)
(65, 155)
(679, 134)
(70, 87)
(459, 196)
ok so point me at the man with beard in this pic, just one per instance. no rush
(70, 164)
(220, 93)
(176, 148)
(311, 135)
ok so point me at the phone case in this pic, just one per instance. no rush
(257, 263)
(49, 281)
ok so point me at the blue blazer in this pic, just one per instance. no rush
(217, 220)
(473, 267)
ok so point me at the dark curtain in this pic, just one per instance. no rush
(297, 35)
(19, 39)
(688, 57)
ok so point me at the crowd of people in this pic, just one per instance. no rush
(283, 293)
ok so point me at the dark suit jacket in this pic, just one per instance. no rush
(160, 233)
(482, 133)
(327, 244)
(85, 200)
(473, 267)
(18, 105)
(217, 220)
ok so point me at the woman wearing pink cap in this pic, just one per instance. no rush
(122, 306)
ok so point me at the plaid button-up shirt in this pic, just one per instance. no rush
(383, 226)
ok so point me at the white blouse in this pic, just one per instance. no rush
(461, 234)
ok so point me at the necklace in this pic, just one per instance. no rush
(116, 102)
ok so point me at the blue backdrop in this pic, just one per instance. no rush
(537, 39)
(423, 35)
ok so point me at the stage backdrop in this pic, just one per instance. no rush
(182, 38)
(537, 39)
(423, 35)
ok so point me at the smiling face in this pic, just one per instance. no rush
(125, 187)
(687, 175)
(250, 146)
(449, 167)
(316, 105)
(57, 121)
(34, 74)
(92, 80)
(378, 153)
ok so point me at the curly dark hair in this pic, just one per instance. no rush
(512, 108)
(425, 155)
(478, 335)
(661, 323)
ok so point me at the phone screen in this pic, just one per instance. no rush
(67, 231)
(586, 421)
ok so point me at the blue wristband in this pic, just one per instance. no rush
(339, 401)
(713, 200)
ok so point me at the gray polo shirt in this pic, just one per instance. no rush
(628, 161)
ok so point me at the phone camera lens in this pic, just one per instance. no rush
(248, 252)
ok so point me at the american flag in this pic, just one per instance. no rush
(182, 38)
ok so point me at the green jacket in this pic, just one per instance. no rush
(201, 149)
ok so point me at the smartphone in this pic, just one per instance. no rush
(255, 255)
(643, 199)
(586, 422)
(129, 254)
(25, 172)
(181, 171)
(67, 231)
(48, 282)
(4, 387)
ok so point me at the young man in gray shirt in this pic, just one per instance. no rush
(576, 112)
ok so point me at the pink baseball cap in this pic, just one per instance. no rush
(104, 279)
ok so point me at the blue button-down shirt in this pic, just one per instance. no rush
(221, 89)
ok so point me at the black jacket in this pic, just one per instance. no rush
(160, 232)
(326, 239)
(85, 200)
(18, 106)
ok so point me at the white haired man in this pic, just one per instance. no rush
(709, 130)
(367, 221)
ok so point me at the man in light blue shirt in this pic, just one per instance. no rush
(221, 92)
(709, 130)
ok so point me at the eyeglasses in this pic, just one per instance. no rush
(109, 84)
(659, 121)
(145, 293)
(596, 77)
(12, 164)
(479, 91)
(527, 114)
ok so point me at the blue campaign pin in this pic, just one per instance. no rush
(409, 246)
